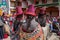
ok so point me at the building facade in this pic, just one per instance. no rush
(52, 6)
(4, 5)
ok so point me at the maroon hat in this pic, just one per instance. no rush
(31, 10)
(19, 10)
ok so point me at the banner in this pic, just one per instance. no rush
(4, 5)
(4, 2)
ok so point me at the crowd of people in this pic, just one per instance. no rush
(29, 25)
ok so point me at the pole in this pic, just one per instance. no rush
(9, 6)
(59, 7)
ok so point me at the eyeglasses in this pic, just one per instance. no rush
(29, 17)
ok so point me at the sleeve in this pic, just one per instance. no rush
(2, 20)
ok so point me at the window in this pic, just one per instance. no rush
(55, 0)
(0, 1)
(44, 1)
(13, 4)
(12, 0)
(18, 3)
(37, 1)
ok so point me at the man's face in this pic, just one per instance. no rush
(42, 20)
(27, 23)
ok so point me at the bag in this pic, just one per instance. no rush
(5, 35)
(7, 28)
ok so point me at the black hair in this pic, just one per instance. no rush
(40, 15)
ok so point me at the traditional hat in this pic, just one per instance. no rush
(19, 10)
(31, 10)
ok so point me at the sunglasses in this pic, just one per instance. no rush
(20, 16)
(29, 17)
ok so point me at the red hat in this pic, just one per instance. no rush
(31, 10)
(19, 10)
(42, 11)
